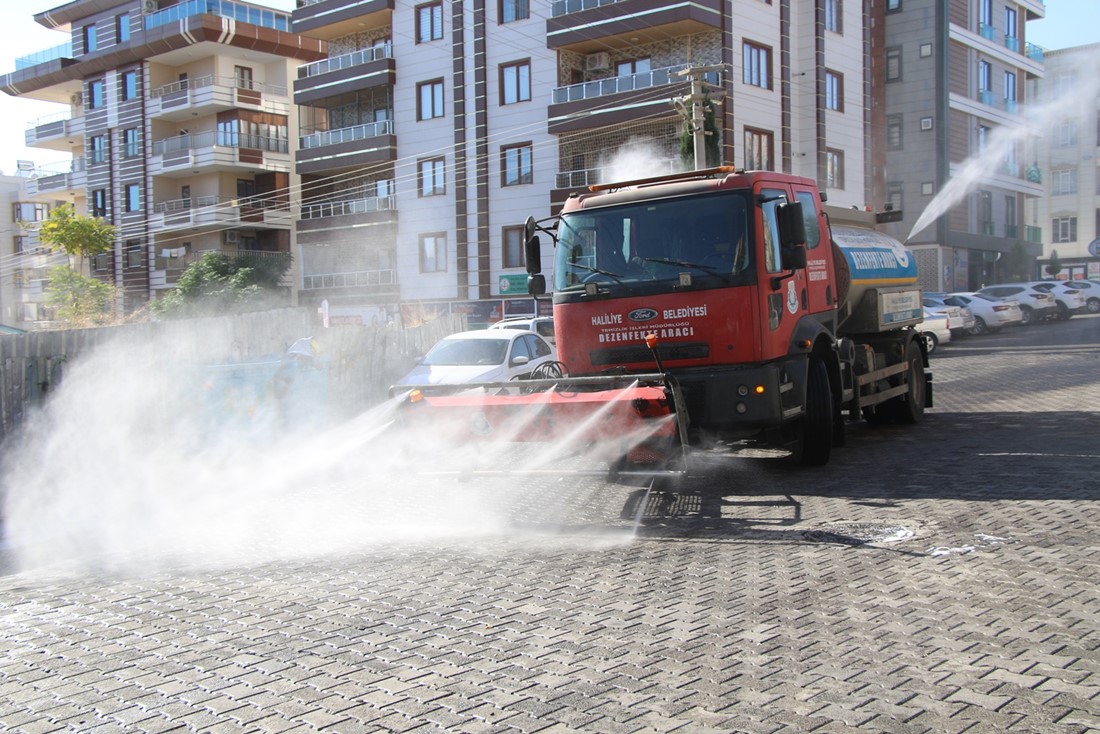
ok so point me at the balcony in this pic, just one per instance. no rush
(368, 205)
(618, 99)
(329, 19)
(185, 155)
(318, 219)
(987, 31)
(362, 69)
(55, 132)
(1012, 107)
(1033, 234)
(219, 212)
(63, 178)
(582, 179)
(61, 51)
(381, 281)
(263, 17)
(347, 147)
(1012, 44)
(171, 262)
(1033, 52)
(584, 26)
(207, 95)
(985, 96)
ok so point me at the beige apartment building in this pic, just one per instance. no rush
(181, 128)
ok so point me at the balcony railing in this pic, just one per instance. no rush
(1011, 106)
(62, 51)
(215, 138)
(988, 228)
(564, 7)
(354, 206)
(346, 134)
(357, 279)
(1012, 43)
(1033, 52)
(591, 176)
(1034, 174)
(344, 61)
(76, 165)
(985, 96)
(210, 80)
(627, 83)
(187, 204)
(1012, 231)
(987, 31)
(225, 8)
(1033, 234)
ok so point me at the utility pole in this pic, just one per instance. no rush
(691, 108)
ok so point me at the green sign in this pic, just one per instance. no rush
(513, 285)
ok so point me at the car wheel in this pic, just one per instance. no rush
(931, 340)
(979, 326)
(1028, 315)
(1093, 305)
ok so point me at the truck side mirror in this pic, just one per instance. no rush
(532, 249)
(536, 284)
(792, 227)
(793, 256)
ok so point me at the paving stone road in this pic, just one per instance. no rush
(750, 602)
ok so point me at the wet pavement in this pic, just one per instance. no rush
(936, 578)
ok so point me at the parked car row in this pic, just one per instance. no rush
(992, 308)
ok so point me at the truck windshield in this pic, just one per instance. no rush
(656, 240)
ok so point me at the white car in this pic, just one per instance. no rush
(959, 318)
(541, 325)
(990, 314)
(934, 329)
(1090, 289)
(488, 355)
(1070, 300)
(1036, 305)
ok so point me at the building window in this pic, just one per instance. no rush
(1064, 229)
(99, 203)
(834, 16)
(515, 82)
(1063, 181)
(133, 198)
(131, 145)
(759, 145)
(1010, 25)
(511, 10)
(985, 76)
(894, 195)
(135, 255)
(243, 77)
(122, 28)
(102, 261)
(97, 149)
(429, 23)
(1011, 229)
(758, 65)
(894, 132)
(893, 64)
(95, 94)
(432, 182)
(515, 164)
(19, 244)
(1010, 88)
(893, 6)
(30, 212)
(129, 85)
(630, 67)
(429, 99)
(512, 247)
(89, 36)
(985, 12)
(834, 91)
(983, 137)
(1065, 134)
(834, 168)
(433, 252)
(985, 212)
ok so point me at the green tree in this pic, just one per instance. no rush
(218, 283)
(80, 300)
(75, 234)
(1055, 265)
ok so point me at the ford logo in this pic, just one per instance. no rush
(642, 314)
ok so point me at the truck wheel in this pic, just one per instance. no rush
(909, 408)
(815, 435)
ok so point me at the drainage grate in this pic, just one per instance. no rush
(859, 533)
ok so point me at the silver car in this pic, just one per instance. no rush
(1036, 305)
(1070, 300)
(990, 314)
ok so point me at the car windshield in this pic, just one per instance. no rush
(467, 352)
(655, 241)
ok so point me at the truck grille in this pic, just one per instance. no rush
(640, 353)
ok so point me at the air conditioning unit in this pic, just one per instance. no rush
(76, 99)
(232, 236)
(148, 6)
(597, 62)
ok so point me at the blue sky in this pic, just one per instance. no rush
(1067, 23)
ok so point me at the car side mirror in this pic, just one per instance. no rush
(520, 360)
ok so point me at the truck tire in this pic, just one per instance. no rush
(909, 408)
(815, 435)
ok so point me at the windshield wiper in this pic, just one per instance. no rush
(709, 270)
(618, 278)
